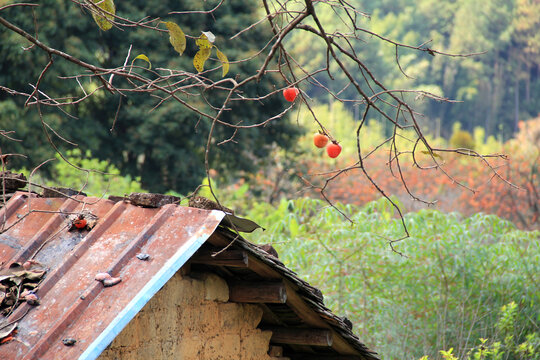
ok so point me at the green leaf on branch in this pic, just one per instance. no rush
(432, 154)
(203, 43)
(145, 58)
(200, 58)
(224, 61)
(177, 37)
(103, 18)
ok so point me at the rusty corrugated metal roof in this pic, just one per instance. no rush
(73, 303)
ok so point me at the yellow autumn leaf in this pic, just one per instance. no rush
(176, 37)
(145, 58)
(103, 18)
(224, 61)
(203, 43)
(200, 58)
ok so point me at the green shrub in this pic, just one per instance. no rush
(462, 139)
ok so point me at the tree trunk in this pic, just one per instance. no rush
(528, 84)
(516, 103)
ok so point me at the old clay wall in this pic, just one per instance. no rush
(190, 318)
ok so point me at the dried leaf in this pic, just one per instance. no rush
(240, 224)
(224, 62)
(17, 280)
(15, 284)
(34, 274)
(211, 37)
(203, 43)
(176, 37)
(19, 273)
(31, 285)
(91, 223)
(103, 18)
(200, 58)
(8, 330)
(145, 58)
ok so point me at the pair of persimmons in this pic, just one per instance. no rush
(320, 140)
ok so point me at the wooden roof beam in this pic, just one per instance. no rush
(262, 292)
(301, 336)
(229, 258)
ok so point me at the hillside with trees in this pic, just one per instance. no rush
(494, 89)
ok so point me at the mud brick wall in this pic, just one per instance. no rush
(190, 318)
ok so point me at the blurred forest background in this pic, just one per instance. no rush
(469, 286)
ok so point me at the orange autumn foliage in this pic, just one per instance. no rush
(511, 190)
(513, 194)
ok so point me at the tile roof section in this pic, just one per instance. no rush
(73, 304)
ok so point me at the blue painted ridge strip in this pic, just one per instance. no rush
(184, 253)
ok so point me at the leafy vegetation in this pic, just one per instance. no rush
(461, 279)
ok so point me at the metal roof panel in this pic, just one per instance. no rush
(75, 305)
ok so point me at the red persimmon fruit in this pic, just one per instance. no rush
(290, 94)
(80, 223)
(333, 149)
(320, 140)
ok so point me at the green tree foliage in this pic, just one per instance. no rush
(461, 138)
(495, 89)
(165, 146)
(447, 292)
